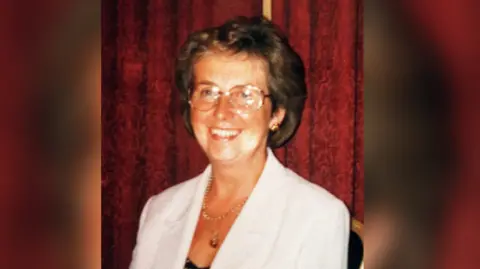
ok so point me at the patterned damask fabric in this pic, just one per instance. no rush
(145, 147)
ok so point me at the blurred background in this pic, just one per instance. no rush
(50, 134)
(420, 130)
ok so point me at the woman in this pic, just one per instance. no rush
(243, 89)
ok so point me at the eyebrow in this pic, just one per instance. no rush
(210, 83)
(206, 82)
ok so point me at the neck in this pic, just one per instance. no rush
(239, 179)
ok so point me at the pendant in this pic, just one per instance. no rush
(214, 240)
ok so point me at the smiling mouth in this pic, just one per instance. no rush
(224, 134)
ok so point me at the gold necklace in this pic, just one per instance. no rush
(214, 241)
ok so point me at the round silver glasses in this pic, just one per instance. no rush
(243, 98)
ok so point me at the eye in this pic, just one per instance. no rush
(206, 93)
(246, 94)
(243, 96)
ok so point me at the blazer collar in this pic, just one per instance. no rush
(255, 222)
(168, 236)
(271, 178)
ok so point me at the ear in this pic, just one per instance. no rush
(277, 117)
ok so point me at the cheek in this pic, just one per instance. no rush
(198, 121)
(258, 123)
(262, 118)
(195, 122)
(197, 118)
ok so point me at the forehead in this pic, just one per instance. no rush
(227, 70)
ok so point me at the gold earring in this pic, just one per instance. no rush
(274, 127)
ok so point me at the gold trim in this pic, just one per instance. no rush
(267, 9)
(357, 227)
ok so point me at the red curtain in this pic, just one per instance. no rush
(328, 147)
(145, 147)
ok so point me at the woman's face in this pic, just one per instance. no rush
(225, 134)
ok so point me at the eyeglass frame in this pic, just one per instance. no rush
(227, 93)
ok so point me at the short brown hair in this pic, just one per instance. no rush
(259, 37)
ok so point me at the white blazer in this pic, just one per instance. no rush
(286, 223)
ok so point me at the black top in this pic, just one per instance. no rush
(190, 265)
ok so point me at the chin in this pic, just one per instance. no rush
(223, 155)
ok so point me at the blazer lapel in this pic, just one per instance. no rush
(167, 245)
(256, 227)
(190, 222)
(167, 238)
(179, 227)
(150, 243)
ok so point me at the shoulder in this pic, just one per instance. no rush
(315, 200)
(321, 224)
(162, 201)
(175, 190)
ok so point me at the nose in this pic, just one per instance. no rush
(222, 107)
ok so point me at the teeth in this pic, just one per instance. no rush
(224, 133)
